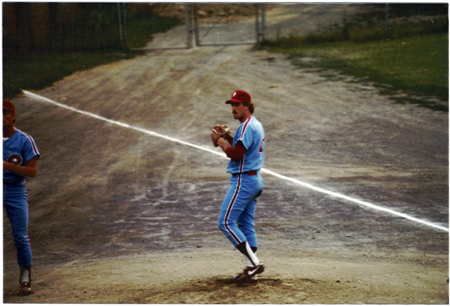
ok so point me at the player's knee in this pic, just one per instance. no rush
(222, 226)
(21, 241)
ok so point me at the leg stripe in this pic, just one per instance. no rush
(230, 207)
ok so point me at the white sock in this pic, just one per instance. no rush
(252, 255)
(248, 263)
(25, 277)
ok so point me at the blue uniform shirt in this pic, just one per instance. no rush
(251, 134)
(18, 150)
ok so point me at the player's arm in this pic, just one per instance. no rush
(229, 138)
(235, 153)
(29, 169)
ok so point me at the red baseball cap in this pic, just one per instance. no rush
(239, 96)
(9, 106)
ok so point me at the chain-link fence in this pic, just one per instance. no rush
(232, 24)
(226, 26)
(86, 26)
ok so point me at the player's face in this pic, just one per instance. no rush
(8, 118)
(238, 110)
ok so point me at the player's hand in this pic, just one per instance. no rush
(218, 131)
(222, 129)
(215, 137)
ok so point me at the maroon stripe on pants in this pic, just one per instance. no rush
(230, 206)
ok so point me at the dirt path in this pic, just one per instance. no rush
(118, 216)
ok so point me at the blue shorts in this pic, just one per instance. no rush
(15, 202)
(237, 214)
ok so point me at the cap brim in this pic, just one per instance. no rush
(9, 108)
(233, 101)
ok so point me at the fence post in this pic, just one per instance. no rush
(125, 23)
(120, 23)
(263, 21)
(188, 26)
(257, 22)
(197, 39)
(386, 19)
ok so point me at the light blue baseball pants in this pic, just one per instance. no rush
(237, 214)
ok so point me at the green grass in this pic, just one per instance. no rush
(409, 62)
(39, 70)
(415, 66)
(71, 49)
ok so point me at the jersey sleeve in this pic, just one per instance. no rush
(30, 149)
(236, 153)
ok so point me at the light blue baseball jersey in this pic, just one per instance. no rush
(18, 149)
(251, 134)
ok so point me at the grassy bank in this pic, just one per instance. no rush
(41, 67)
(413, 69)
(38, 70)
(409, 62)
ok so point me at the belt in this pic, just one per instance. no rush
(249, 173)
(11, 181)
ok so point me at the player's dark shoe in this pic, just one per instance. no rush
(233, 280)
(25, 289)
(249, 274)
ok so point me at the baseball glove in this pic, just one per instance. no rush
(218, 131)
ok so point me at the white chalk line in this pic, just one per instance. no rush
(295, 181)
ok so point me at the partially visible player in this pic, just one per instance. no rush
(20, 155)
(246, 153)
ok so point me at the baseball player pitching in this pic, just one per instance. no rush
(246, 153)
(20, 155)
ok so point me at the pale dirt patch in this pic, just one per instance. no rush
(198, 276)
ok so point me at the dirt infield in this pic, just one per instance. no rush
(119, 216)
